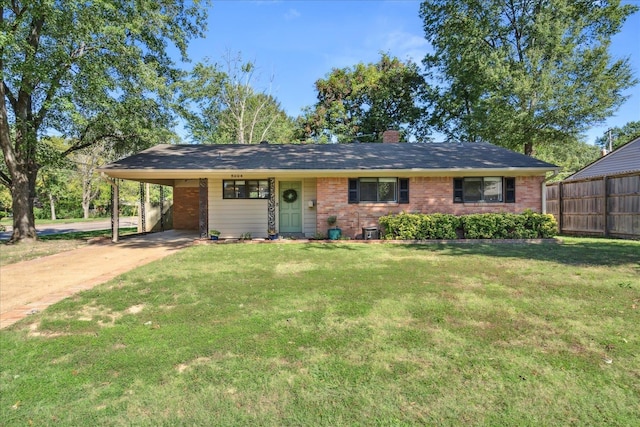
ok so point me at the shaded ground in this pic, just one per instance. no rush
(31, 286)
(67, 227)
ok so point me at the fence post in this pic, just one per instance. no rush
(605, 210)
(560, 213)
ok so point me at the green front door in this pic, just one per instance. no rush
(291, 207)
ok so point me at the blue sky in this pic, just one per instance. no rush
(296, 42)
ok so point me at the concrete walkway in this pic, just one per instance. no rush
(31, 286)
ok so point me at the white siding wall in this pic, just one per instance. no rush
(236, 217)
(309, 214)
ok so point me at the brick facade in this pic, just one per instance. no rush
(185, 208)
(426, 195)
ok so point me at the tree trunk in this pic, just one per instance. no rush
(52, 206)
(22, 197)
(528, 148)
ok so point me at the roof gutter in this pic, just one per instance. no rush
(221, 173)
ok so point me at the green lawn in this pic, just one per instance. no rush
(9, 221)
(340, 334)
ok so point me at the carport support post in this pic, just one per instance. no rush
(161, 208)
(142, 228)
(115, 210)
(203, 207)
(271, 206)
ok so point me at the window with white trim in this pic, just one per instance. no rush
(245, 189)
(491, 189)
(378, 190)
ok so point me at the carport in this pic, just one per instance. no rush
(153, 217)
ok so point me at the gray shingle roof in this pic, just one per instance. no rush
(625, 159)
(355, 156)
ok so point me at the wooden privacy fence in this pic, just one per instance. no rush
(604, 206)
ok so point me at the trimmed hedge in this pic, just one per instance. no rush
(528, 225)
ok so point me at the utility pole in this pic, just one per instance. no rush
(610, 143)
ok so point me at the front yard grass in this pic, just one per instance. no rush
(340, 334)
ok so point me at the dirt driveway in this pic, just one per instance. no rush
(31, 286)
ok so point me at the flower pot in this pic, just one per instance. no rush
(273, 236)
(213, 237)
(334, 233)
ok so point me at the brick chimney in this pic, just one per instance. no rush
(390, 135)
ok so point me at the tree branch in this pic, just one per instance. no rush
(9, 94)
(62, 68)
(5, 180)
(53, 88)
(78, 147)
(15, 8)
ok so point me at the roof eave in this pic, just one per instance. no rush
(169, 174)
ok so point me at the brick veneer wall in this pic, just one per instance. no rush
(426, 195)
(185, 208)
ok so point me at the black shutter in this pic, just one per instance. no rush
(403, 194)
(353, 191)
(458, 196)
(510, 190)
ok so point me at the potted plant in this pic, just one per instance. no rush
(273, 234)
(334, 232)
(214, 234)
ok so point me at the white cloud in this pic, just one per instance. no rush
(291, 14)
(404, 45)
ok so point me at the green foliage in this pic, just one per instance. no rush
(5, 199)
(407, 226)
(363, 101)
(528, 225)
(522, 74)
(90, 71)
(224, 107)
(620, 136)
(570, 156)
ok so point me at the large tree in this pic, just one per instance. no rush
(571, 156)
(365, 100)
(76, 68)
(520, 73)
(222, 104)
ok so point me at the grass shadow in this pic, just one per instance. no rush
(569, 251)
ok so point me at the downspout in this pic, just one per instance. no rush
(115, 208)
(544, 189)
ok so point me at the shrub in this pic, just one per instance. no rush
(406, 226)
(544, 225)
(528, 225)
(40, 213)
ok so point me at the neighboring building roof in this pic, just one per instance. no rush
(623, 160)
(327, 157)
